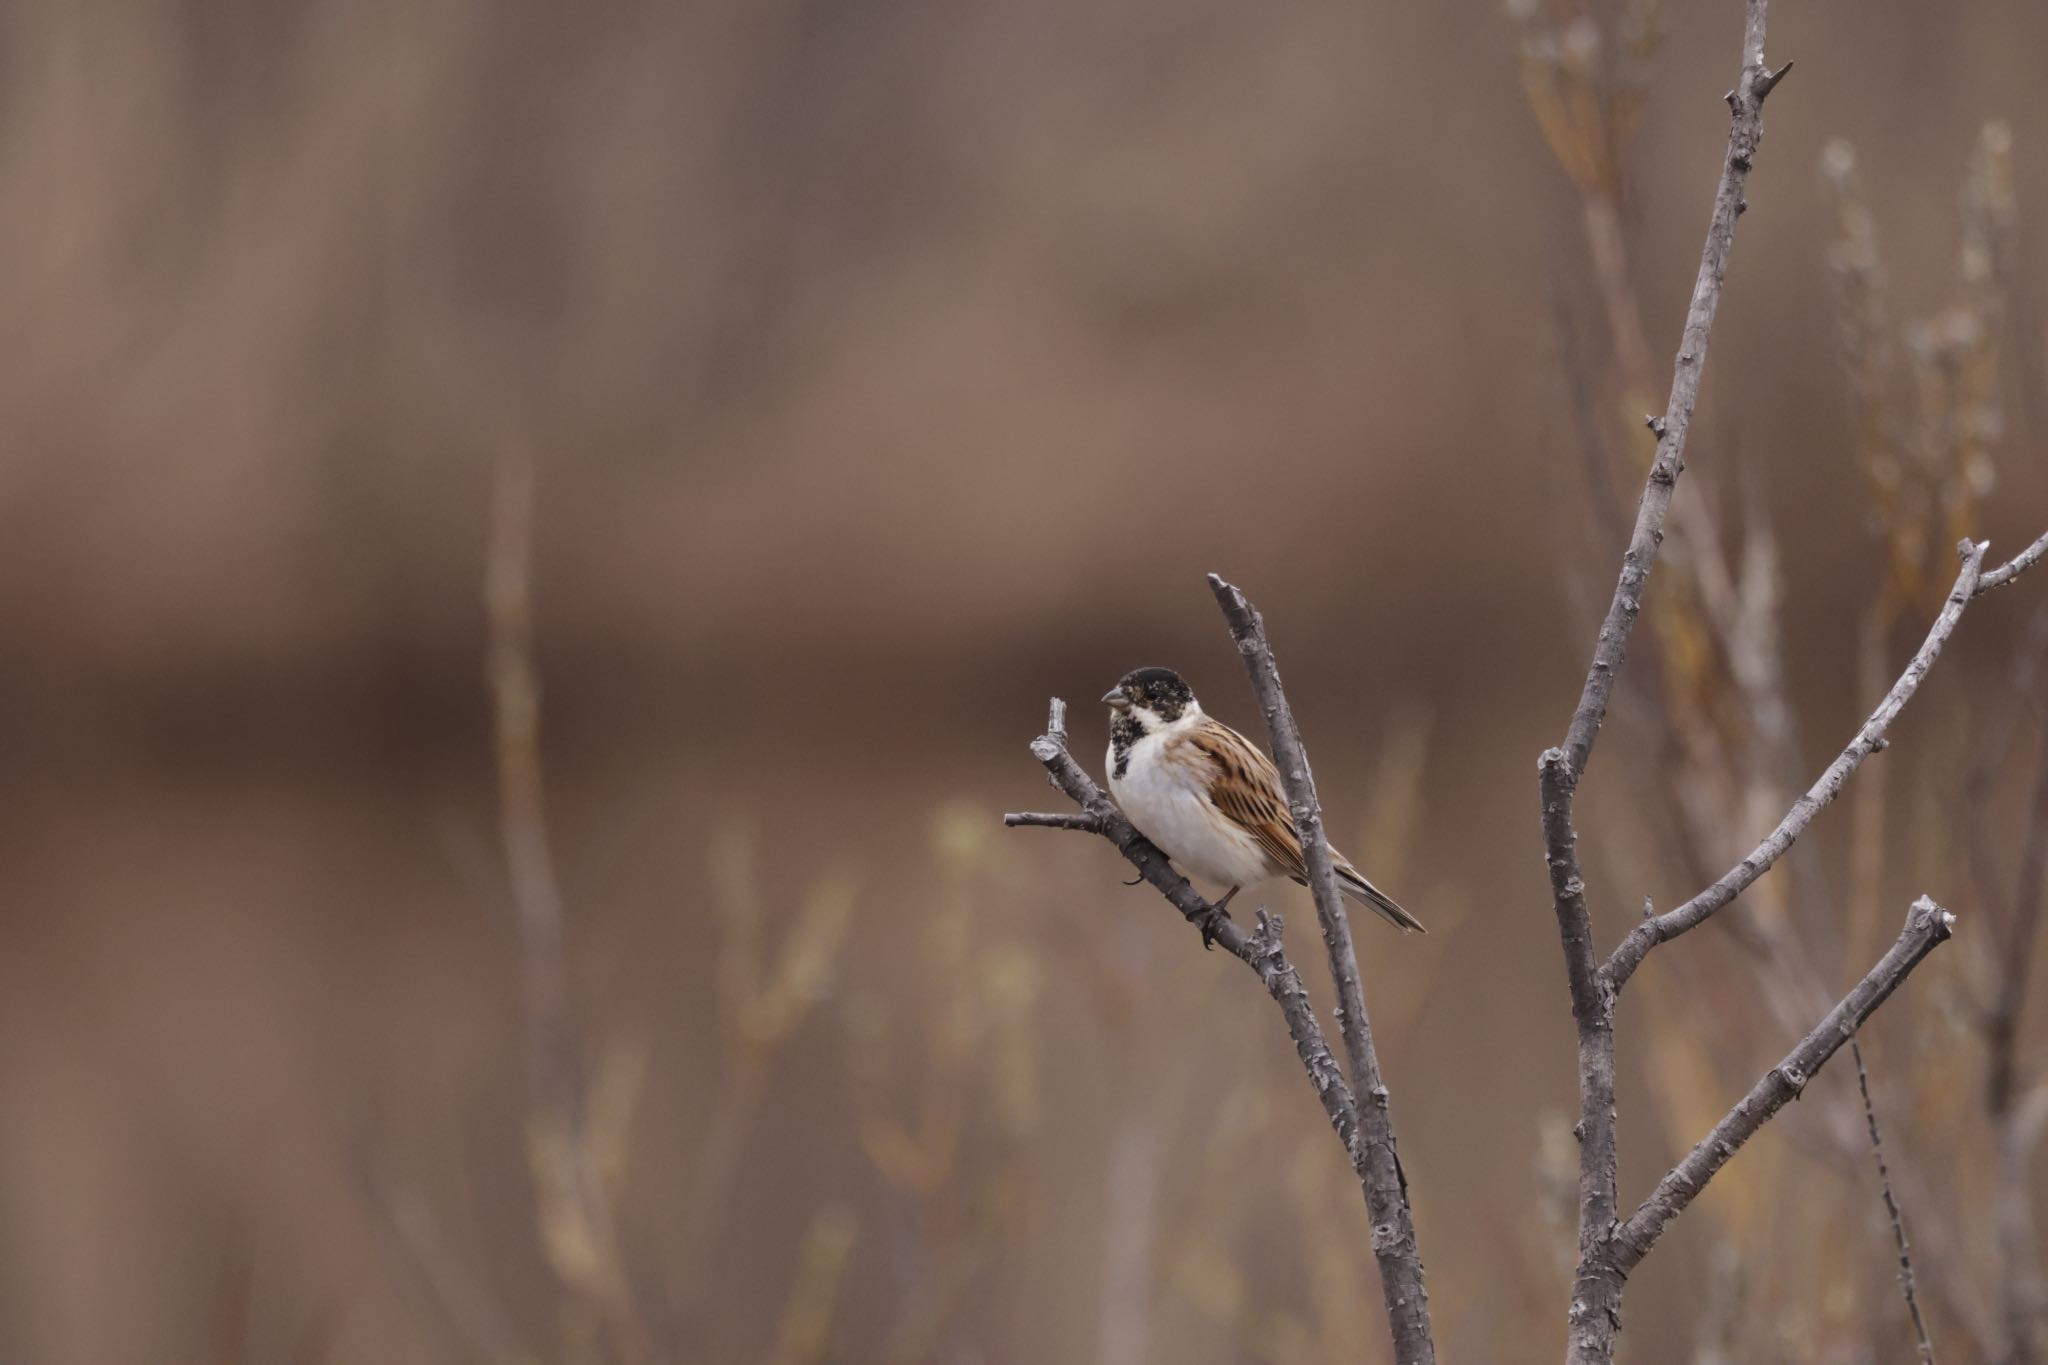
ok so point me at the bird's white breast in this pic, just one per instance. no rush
(1167, 802)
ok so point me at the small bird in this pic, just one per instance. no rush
(1207, 797)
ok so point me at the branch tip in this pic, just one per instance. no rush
(1401, 1274)
(1038, 819)
(1939, 923)
(1768, 82)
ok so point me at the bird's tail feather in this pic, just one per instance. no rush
(1365, 893)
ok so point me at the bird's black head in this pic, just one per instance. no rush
(1153, 696)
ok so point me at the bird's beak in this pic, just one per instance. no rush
(1116, 699)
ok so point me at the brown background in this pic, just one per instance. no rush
(890, 366)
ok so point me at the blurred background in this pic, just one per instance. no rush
(881, 370)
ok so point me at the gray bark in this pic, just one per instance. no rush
(1594, 1318)
(1386, 1190)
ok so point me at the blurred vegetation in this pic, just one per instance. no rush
(887, 369)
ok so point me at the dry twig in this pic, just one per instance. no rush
(1891, 1208)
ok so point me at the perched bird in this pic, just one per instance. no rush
(1207, 797)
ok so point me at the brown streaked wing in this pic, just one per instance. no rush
(1246, 789)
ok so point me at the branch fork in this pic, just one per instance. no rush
(1366, 1131)
(1610, 1247)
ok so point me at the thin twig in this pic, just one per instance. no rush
(1969, 584)
(1068, 776)
(1386, 1191)
(1086, 824)
(1891, 1208)
(1867, 815)
(2014, 567)
(1289, 757)
(1746, 104)
(1927, 926)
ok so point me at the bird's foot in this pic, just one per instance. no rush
(1215, 918)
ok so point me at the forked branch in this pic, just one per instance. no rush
(1261, 951)
(1927, 926)
(1610, 1247)
(1366, 1130)
(1595, 1314)
(1662, 928)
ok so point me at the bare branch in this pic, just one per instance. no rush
(1610, 1248)
(1927, 925)
(1367, 1138)
(1595, 1319)
(2014, 567)
(1249, 632)
(1386, 1191)
(1891, 1208)
(1086, 824)
(1746, 104)
(1261, 951)
(1068, 776)
(1596, 1290)
(1662, 928)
